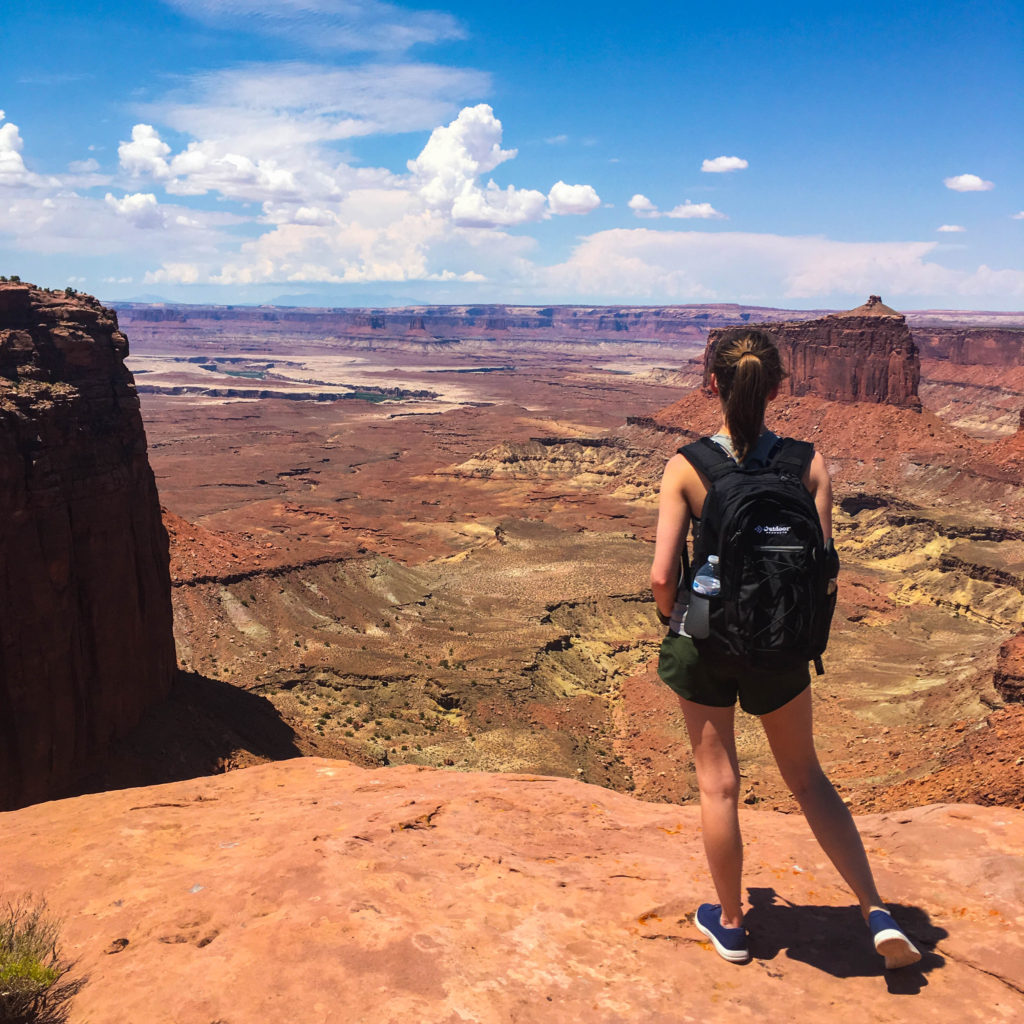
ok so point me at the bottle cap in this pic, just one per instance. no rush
(713, 559)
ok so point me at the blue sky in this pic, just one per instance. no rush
(362, 152)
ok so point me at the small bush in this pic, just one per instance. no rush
(32, 970)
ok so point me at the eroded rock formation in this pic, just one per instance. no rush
(85, 612)
(1009, 673)
(865, 355)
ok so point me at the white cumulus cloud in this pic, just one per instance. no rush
(643, 207)
(968, 183)
(444, 220)
(497, 207)
(146, 154)
(12, 166)
(569, 199)
(200, 168)
(722, 164)
(458, 153)
(446, 172)
(13, 171)
(698, 211)
(1017, 216)
(140, 209)
(203, 167)
(950, 228)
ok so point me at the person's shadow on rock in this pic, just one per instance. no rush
(836, 940)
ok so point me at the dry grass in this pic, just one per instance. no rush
(33, 985)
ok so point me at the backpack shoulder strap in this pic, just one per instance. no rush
(706, 456)
(791, 456)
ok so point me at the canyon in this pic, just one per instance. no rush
(432, 549)
(416, 716)
(449, 566)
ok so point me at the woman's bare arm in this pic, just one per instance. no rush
(673, 522)
(819, 483)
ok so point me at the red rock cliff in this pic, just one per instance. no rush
(865, 355)
(85, 610)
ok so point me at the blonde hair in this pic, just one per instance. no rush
(747, 367)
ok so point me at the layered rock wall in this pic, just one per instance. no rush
(866, 355)
(85, 614)
(971, 346)
(434, 325)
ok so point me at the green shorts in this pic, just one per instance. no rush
(715, 681)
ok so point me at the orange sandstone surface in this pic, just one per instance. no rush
(314, 890)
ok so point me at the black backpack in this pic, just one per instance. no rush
(776, 602)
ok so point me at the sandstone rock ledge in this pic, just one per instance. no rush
(315, 891)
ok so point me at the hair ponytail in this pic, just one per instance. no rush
(744, 408)
(747, 367)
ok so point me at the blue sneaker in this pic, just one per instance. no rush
(730, 943)
(890, 941)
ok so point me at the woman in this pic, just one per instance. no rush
(746, 372)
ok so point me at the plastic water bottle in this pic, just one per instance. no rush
(706, 585)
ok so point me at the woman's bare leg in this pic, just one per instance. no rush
(790, 734)
(718, 776)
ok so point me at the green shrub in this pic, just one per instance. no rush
(33, 989)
